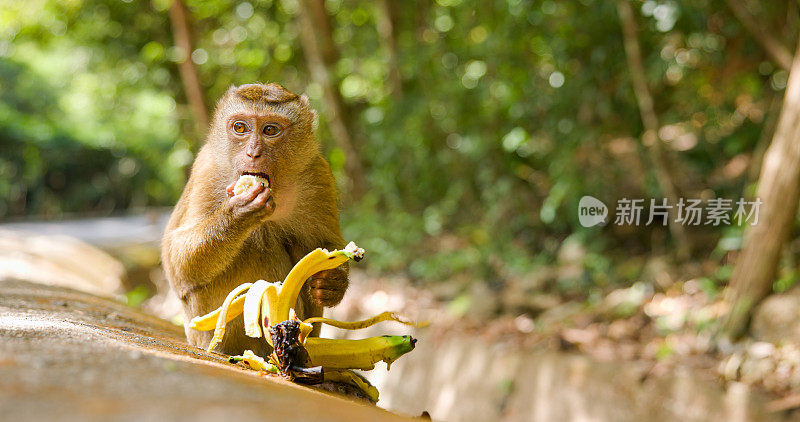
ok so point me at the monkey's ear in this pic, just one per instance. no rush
(314, 116)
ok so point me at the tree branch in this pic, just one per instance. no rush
(650, 138)
(321, 55)
(385, 26)
(191, 83)
(775, 49)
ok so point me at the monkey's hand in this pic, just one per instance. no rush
(255, 204)
(327, 287)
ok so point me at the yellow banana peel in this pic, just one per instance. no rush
(266, 305)
(267, 311)
(305, 327)
(254, 361)
(316, 261)
(252, 309)
(280, 301)
(357, 325)
(219, 331)
(208, 321)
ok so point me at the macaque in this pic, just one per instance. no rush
(216, 240)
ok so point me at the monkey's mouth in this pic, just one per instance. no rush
(258, 174)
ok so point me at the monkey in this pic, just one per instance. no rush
(215, 240)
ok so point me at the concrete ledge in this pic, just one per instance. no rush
(66, 355)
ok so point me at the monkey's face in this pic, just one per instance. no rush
(268, 132)
(256, 141)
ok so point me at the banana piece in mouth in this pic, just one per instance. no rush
(247, 181)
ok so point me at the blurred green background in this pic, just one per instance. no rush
(479, 125)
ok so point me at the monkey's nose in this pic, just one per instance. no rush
(253, 151)
(253, 148)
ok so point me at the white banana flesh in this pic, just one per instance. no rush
(247, 181)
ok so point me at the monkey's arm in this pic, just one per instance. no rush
(198, 250)
(205, 233)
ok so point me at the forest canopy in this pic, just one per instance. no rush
(477, 126)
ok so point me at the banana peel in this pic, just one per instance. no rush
(316, 261)
(285, 295)
(267, 312)
(266, 306)
(208, 322)
(252, 308)
(357, 325)
(219, 330)
(253, 361)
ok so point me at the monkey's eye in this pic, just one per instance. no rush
(272, 130)
(239, 127)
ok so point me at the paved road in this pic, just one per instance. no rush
(105, 232)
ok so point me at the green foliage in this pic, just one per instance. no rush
(787, 279)
(709, 287)
(136, 296)
(511, 110)
(84, 124)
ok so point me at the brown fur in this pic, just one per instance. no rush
(270, 93)
(215, 241)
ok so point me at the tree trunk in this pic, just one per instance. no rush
(778, 190)
(767, 132)
(178, 17)
(386, 29)
(321, 55)
(650, 138)
(775, 49)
